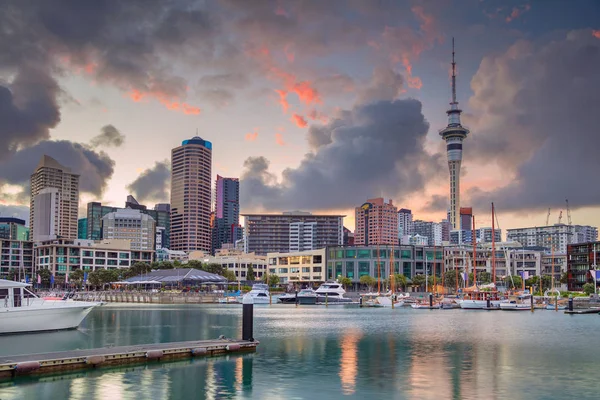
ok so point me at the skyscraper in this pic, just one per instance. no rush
(226, 226)
(405, 222)
(49, 174)
(454, 134)
(466, 218)
(376, 223)
(191, 169)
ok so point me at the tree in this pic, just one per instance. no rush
(76, 277)
(450, 279)
(515, 283)
(345, 281)
(589, 288)
(265, 278)
(484, 277)
(213, 268)
(400, 281)
(230, 275)
(176, 264)
(564, 278)
(94, 278)
(273, 280)
(196, 264)
(44, 274)
(250, 274)
(418, 280)
(368, 281)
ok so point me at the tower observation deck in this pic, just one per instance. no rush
(454, 134)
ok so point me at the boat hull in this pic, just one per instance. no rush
(387, 302)
(478, 304)
(332, 299)
(34, 319)
(514, 307)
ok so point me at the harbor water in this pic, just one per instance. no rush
(327, 353)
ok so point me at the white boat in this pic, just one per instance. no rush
(514, 306)
(21, 311)
(304, 296)
(331, 292)
(425, 306)
(259, 294)
(467, 304)
(386, 301)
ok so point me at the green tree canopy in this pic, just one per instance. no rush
(564, 278)
(213, 268)
(516, 282)
(250, 274)
(345, 281)
(230, 275)
(44, 274)
(273, 280)
(76, 277)
(589, 288)
(368, 281)
(450, 279)
(400, 281)
(419, 280)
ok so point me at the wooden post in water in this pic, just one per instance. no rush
(296, 298)
(326, 299)
(532, 299)
(556, 303)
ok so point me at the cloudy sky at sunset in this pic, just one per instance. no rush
(315, 105)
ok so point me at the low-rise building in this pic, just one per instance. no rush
(163, 254)
(301, 267)
(581, 259)
(64, 256)
(234, 260)
(16, 256)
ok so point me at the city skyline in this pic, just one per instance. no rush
(366, 104)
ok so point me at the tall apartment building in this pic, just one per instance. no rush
(191, 169)
(581, 259)
(431, 230)
(46, 224)
(50, 174)
(482, 235)
(13, 229)
(278, 233)
(446, 227)
(226, 224)
(130, 225)
(161, 215)
(558, 236)
(376, 222)
(466, 218)
(405, 222)
(81, 228)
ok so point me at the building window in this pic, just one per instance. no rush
(363, 268)
(350, 269)
(317, 259)
(283, 270)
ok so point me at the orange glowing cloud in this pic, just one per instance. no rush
(596, 34)
(165, 100)
(517, 12)
(299, 120)
(283, 100)
(303, 89)
(251, 136)
(289, 52)
(279, 139)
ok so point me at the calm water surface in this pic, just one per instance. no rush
(327, 353)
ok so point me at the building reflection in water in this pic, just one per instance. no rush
(349, 361)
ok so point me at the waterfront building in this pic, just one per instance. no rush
(581, 259)
(16, 256)
(46, 224)
(226, 224)
(50, 174)
(354, 262)
(431, 230)
(405, 222)
(161, 215)
(376, 222)
(82, 228)
(191, 171)
(482, 235)
(132, 225)
(558, 236)
(348, 237)
(445, 230)
(63, 256)
(278, 233)
(234, 260)
(466, 218)
(554, 264)
(13, 229)
(418, 240)
(300, 267)
(163, 254)
(453, 135)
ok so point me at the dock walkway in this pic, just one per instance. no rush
(11, 366)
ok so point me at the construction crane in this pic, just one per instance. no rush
(548, 218)
(560, 217)
(568, 212)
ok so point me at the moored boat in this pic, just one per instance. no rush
(259, 294)
(480, 298)
(304, 296)
(21, 311)
(331, 292)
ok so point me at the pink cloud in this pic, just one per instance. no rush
(299, 120)
(279, 139)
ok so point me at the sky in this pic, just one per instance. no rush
(314, 105)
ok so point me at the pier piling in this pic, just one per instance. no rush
(247, 318)
(430, 300)
(570, 302)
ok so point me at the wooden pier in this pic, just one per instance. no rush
(36, 364)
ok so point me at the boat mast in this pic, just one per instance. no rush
(378, 264)
(455, 270)
(392, 271)
(493, 248)
(434, 268)
(474, 240)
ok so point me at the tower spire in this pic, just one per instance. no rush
(453, 75)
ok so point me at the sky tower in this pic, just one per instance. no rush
(454, 134)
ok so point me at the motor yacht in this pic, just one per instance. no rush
(21, 311)
(259, 294)
(331, 292)
(305, 296)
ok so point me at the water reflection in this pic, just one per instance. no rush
(331, 353)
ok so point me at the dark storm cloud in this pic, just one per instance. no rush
(109, 137)
(537, 108)
(153, 183)
(21, 212)
(436, 203)
(370, 149)
(95, 167)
